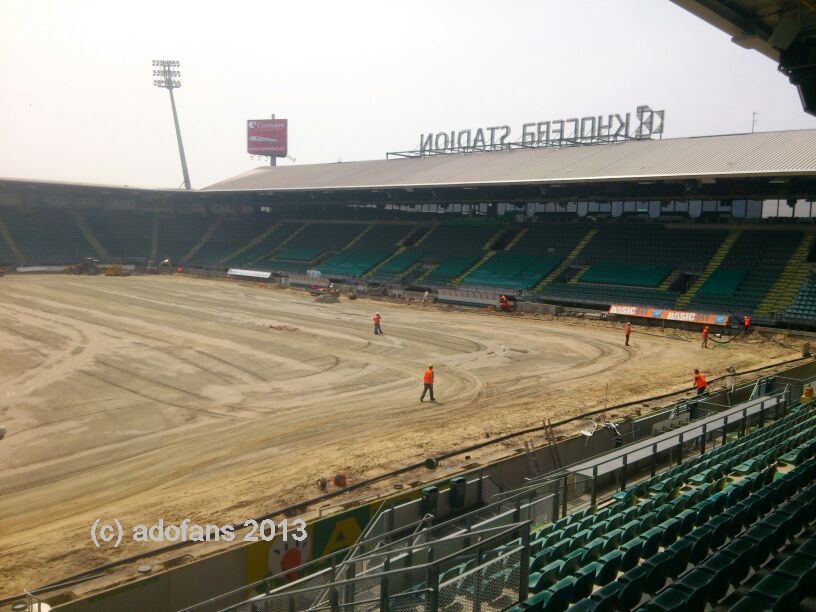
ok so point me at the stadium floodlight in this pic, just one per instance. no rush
(170, 79)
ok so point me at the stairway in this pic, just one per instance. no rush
(515, 240)
(258, 239)
(669, 280)
(413, 230)
(83, 226)
(280, 246)
(784, 289)
(207, 235)
(425, 236)
(356, 239)
(464, 274)
(489, 244)
(401, 249)
(6, 235)
(578, 276)
(712, 265)
(567, 260)
(426, 273)
(154, 239)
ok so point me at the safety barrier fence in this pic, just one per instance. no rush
(381, 549)
(482, 569)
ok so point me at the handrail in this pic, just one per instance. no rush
(512, 528)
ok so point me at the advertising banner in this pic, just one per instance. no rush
(704, 318)
(267, 137)
(249, 273)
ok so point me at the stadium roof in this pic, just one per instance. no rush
(788, 153)
(783, 30)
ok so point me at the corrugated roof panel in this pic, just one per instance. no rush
(761, 153)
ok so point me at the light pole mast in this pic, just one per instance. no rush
(167, 77)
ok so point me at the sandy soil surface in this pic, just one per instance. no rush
(167, 397)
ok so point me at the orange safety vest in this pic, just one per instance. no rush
(429, 376)
(747, 321)
(700, 381)
(628, 329)
(705, 332)
(376, 318)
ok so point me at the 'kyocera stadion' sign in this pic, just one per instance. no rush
(558, 132)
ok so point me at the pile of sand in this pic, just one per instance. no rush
(327, 298)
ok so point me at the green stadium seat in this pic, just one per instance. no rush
(699, 583)
(561, 594)
(631, 553)
(801, 570)
(681, 554)
(608, 567)
(613, 540)
(585, 581)
(606, 598)
(652, 539)
(545, 578)
(657, 571)
(742, 555)
(632, 585)
(671, 531)
(779, 592)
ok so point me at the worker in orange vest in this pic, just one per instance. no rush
(746, 322)
(705, 336)
(628, 331)
(428, 380)
(699, 382)
(377, 318)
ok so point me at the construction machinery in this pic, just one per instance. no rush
(507, 304)
(116, 269)
(162, 267)
(88, 265)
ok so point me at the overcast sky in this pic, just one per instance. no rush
(355, 79)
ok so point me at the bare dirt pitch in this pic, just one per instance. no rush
(168, 397)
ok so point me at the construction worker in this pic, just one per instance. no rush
(746, 323)
(628, 332)
(730, 378)
(428, 380)
(699, 382)
(705, 336)
(377, 318)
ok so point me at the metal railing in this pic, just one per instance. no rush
(469, 572)
(532, 504)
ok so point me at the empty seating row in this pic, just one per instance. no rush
(657, 245)
(508, 270)
(804, 303)
(692, 515)
(553, 240)
(748, 271)
(626, 274)
(43, 239)
(605, 295)
(230, 235)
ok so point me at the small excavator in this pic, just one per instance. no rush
(507, 304)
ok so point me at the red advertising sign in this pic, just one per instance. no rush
(669, 315)
(267, 137)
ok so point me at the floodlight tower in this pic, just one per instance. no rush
(168, 77)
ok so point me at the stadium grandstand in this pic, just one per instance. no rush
(707, 504)
(722, 518)
(719, 224)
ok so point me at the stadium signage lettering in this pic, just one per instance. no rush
(558, 132)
